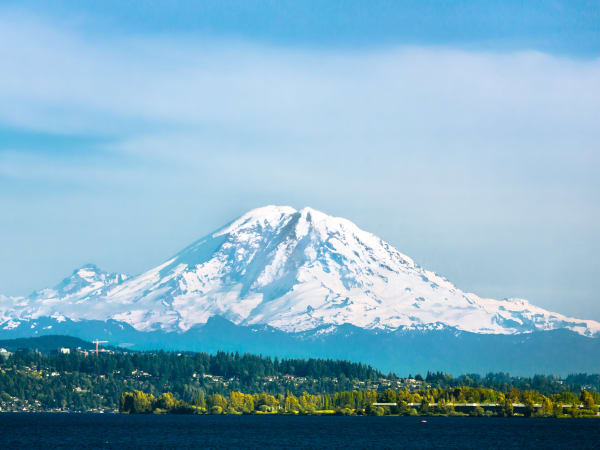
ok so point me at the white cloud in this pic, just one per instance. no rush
(414, 143)
(74, 83)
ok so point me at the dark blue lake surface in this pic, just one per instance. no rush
(119, 431)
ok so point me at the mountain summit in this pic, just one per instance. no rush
(292, 270)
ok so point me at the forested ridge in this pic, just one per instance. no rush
(84, 381)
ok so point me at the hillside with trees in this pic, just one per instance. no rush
(78, 379)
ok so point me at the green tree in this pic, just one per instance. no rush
(527, 399)
(199, 400)
(478, 411)
(587, 399)
(217, 400)
(241, 402)
(557, 409)
(507, 407)
(142, 403)
(125, 402)
(378, 411)
(291, 403)
(574, 411)
(166, 401)
(390, 396)
(547, 408)
(403, 408)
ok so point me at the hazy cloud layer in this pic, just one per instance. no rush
(482, 166)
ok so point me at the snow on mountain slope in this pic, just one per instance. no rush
(293, 270)
(79, 292)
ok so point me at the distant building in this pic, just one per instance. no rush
(65, 351)
(4, 353)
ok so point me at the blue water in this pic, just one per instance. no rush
(119, 431)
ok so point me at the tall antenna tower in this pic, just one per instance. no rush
(98, 342)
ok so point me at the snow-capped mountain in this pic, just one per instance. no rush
(81, 290)
(292, 270)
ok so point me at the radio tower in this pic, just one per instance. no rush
(98, 342)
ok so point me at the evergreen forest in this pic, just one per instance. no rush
(81, 380)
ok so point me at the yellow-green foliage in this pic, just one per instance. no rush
(433, 401)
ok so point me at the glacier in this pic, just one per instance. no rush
(290, 270)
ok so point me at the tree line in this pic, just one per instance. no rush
(547, 384)
(81, 382)
(462, 400)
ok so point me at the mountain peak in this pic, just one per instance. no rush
(88, 270)
(85, 282)
(266, 216)
(294, 271)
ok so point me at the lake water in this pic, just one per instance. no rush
(57, 430)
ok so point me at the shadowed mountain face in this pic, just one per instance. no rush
(300, 274)
(403, 351)
(45, 344)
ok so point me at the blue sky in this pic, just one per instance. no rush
(464, 133)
